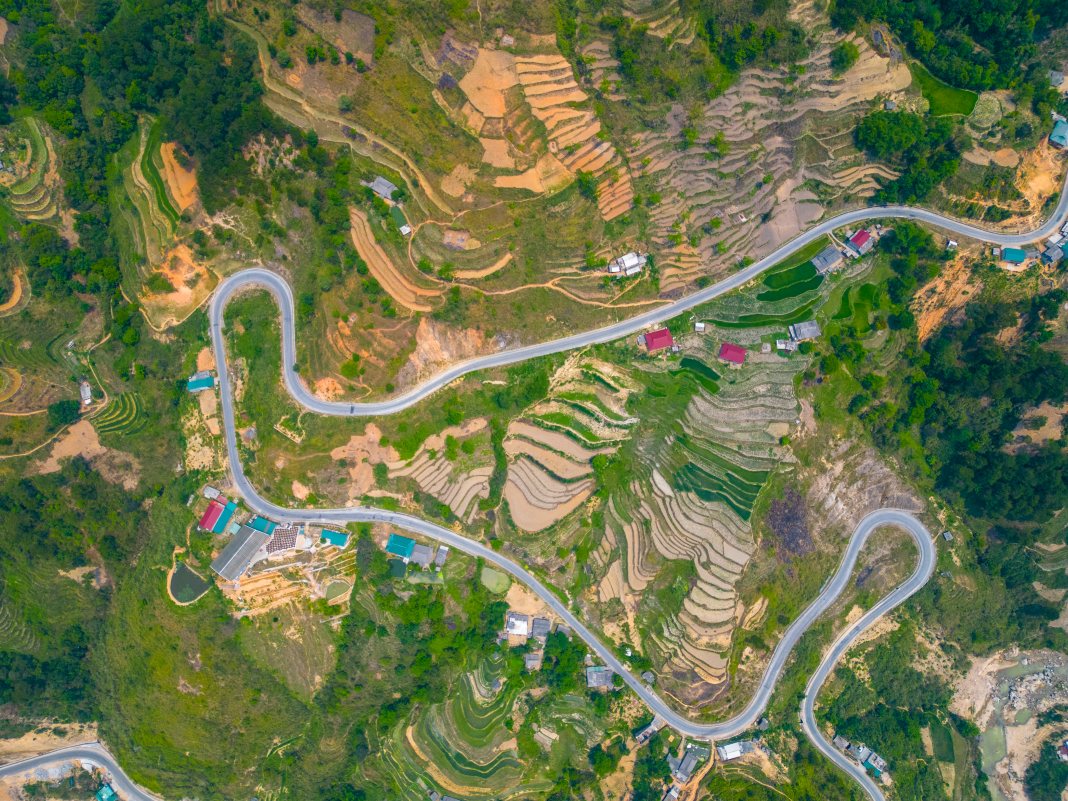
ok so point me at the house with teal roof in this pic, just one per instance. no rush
(224, 518)
(1059, 137)
(200, 381)
(262, 524)
(105, 793)
(400, 546)
(1014, 255)
(338, 539)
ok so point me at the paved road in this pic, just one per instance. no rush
(95, 752)
(89, 752)
(278, 286)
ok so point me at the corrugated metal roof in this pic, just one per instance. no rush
(224, 518)
(658, 340)
(400, 546)
(237, 555)
(262, 524)
(337, 538)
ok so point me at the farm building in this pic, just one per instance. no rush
(809, 329)
(422, 555)
(827, 259)
(1052, 254)
(86, 392)
(1059, 137)
(682, 769)
(239, 553)
(876, 764)
(200, 381)
(517, 624)
(262, 524)
(731, 354)
(1014, 255)
(735, 750)
(381, 187)
(539, 628)
(840, 742)
(788, 345)
(698, 326)
(338, 539)
(657, 340)
(645, 734)
(212, 514)
(861, 242)
(859, 752)
(532, 661)
(105, 793)
(225, 518)
(210, 492)
(439, 560)
(400, 546)
(627, 264)
(671, 794)
(599, 677)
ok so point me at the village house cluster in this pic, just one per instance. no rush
(862, 755)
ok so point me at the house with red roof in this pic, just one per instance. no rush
(861, 242)
(732, 355)
(658, 340)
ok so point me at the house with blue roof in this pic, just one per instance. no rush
(1059, 137)
(200, 381)
(338, 539)
(224, 518)
(262, 524)
(400, 546)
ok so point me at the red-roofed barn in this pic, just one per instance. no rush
(211, 514)
(732, 354)
(861, 242)
(658, 340)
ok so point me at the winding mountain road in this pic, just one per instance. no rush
(258, 277)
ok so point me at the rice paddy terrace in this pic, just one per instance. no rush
(465, 746)
(30, 182)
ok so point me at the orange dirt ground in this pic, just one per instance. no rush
(400, 288)
(181, 183)
(16, 294)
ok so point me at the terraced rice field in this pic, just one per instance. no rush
(25, 354)
(551, 446)
(462, 746)
(36, 196)
(124, 414)
(150, 215)
(457, 479)
(788, 154)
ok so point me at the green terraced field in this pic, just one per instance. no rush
(36, 355)
(151, 170)
(793, 290)
(124, 414)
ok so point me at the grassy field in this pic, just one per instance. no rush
(944, 99)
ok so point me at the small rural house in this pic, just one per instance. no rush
(400, 547)
(86, 392)
(828, 259)
(200, 380)
(1053, 254)
(381, 187)
(1013, 255)
(861, 242)
(1059, 137)
(732, 355)
(800, 332)
(599, 677)
(735, 750)
(517, 624)
(657, 340)
(628, 264)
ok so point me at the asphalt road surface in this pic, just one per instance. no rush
(258, 277)
(278, 286)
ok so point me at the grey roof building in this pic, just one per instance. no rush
(1052, 255)
(840, 742)
(381, 187)
(239, 552)
(809, 329)
(532, 660)
(540, 628)
(439, 559)
(422, 555)
(599, 676)
(827, 259)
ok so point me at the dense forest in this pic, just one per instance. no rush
(982, 46)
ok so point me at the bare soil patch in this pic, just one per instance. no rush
(192, 283)
(485, 84)
(206, 359)
(937, 302)
(47, 738)
(484, 272)
(181, 182)
(16, 293)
